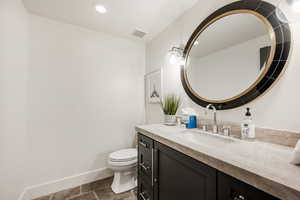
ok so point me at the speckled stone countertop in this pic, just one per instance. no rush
(263, 165)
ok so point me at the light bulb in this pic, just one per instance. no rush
(174, 59)
(175, 56)
(101, 9)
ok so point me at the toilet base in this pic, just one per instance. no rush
(123, 182)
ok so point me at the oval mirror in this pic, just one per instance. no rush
(230, 57)
(229, 52)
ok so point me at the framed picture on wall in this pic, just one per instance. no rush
(153, 83)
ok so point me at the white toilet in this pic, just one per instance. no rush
(123, 163)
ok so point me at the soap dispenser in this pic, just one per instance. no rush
(248, 127)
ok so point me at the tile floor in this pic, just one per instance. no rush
(99, 190)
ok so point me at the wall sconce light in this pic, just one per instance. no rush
(291, 8)
(176, 56)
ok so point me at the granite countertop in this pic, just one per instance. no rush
(263, 165)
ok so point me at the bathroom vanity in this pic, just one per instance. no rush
(177, 163)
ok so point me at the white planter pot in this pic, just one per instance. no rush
(170, 119)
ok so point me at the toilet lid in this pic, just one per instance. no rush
(123, 155)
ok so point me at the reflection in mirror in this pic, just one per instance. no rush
(229, 56)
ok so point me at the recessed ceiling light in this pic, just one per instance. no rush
(101, 9)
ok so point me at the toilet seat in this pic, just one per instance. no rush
(125, 155)
(123, 163)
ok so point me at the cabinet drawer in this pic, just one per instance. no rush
(145, 190)
(145, 147)
(145, 143)
(145, 157)
(145, 167)
(230, 188)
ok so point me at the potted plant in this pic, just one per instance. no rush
(170, 105)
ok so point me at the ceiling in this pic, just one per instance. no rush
(229, 31)
(122, 18)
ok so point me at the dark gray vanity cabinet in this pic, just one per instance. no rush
(166, 174)
(180, 177)
(230, 188)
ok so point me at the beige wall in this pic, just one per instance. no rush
(278, 109)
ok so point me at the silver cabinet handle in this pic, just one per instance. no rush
(240, 197)
(142, 195)
(143, 144)
(152, 166)
(146, 168)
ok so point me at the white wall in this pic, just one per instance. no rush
(85, 97)
(278, 109)
(68, 97)
(13, 104)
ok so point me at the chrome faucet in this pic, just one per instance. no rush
(215, 125)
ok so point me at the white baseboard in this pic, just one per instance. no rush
(36, 191)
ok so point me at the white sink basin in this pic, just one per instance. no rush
(220, 145)
(230, 145)
(200, 137)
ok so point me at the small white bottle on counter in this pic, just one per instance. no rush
(248, 127)
(244, 131)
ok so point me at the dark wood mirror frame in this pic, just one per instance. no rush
(280, 34)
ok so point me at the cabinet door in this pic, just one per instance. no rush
(230, 188)
(179, 177)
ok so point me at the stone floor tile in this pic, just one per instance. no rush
(108, 194)
(97, 185)
(44, 198)
(62, 195)
(99, 190)
(86, 196)
(104, 194)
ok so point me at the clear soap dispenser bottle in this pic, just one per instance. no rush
(248, 127)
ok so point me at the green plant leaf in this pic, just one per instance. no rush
(170, 104)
